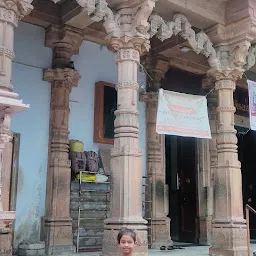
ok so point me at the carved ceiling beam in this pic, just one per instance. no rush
(45, 13)
(48, 13)
(158, 47)
(188, 65)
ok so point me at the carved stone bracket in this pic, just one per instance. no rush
(180, 25)
(127, 28)
(251, 58)
(68, 77)
(232, 61)
(65, 42)
(157, 68)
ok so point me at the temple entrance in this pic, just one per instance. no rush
(246, 154)
(181, 176)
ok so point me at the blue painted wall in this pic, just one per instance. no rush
(94, 63)
(33, 125)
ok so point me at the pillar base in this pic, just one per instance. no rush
(229, 240)
(205, 230)
(111, 229)
(242, 251)
(58, 236)
(6, 220)
(160, 234)
(5, 241)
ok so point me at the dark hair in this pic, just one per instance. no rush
(126, 231)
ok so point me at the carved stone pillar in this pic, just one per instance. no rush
(126, 162)
(10, 14)
(156, 196)
(128, 38)
(228, 225)
(57, 220)
(157, 200)
(208, 161)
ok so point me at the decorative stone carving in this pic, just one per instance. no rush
(127, 28)
(180, 25)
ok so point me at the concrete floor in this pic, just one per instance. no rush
(191, 251)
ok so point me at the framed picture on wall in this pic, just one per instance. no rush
(105, 105)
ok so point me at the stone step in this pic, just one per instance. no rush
(89, 214)
(89, 248)
(89, 242)
(90, 197)
(89, 232)
(96, 206)
(90, 186)
(92, 224)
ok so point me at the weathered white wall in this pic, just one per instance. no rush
(94, 63)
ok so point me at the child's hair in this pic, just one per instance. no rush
(126, 231)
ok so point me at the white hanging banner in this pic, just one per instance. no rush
(182, 115)
(252, 103)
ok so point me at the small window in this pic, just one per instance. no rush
(104, 112)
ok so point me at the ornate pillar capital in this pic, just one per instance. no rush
(127, 27)
(12, 11)
(65, 42)
(232, 61)
(65, 78)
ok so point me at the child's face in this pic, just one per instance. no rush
(126, 244)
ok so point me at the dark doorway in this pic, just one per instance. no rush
(246, 155)
(181, 176)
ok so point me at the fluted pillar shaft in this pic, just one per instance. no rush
(228, 225)
(126, 162)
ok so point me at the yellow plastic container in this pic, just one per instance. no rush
(76, 146)
(86, 177)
